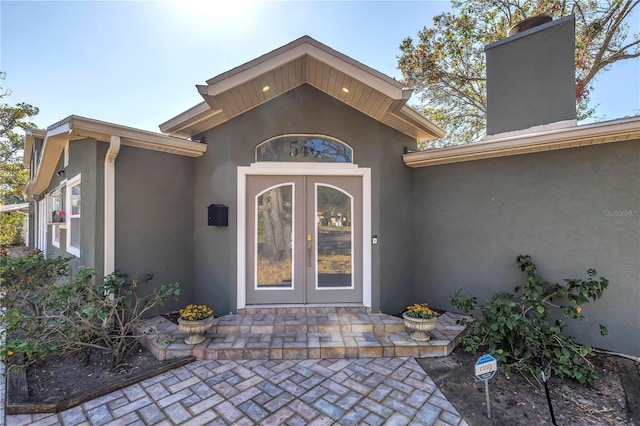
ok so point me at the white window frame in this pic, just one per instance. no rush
(57, 192)
(41, 235)
(75, 181)
(55, 226)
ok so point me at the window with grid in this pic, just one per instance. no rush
(73, 203)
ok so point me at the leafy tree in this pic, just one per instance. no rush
(10, 229)
(446, 66)
(14, 121)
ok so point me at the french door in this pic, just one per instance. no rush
(304, 239)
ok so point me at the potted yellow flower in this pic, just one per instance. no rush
(420, 319)
(194, 321)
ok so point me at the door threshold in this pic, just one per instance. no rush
(302, 307)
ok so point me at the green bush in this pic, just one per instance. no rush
(11, 228)
(47, 312)
(24, 282)
(518, 331)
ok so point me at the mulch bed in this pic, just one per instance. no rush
(514, 401)
(57, 383)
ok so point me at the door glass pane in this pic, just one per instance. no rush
(75, 200)
(335, 241)
(274, 252)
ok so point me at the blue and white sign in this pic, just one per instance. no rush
(486, 367)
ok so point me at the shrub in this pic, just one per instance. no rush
(104, 316)
(47, 312)
(24, 282)
(11, 228)
(516, 328)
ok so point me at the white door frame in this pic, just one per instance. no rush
(41, 234)
(299, 169)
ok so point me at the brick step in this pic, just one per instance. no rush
(320, 322)
(293, 327)
(385, 337)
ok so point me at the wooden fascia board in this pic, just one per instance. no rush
(201, 112)
(423, 129)
(303, 47)
(618, 131)
(29, 141)
(184, 117)
(219, 85)
(76, 127)
(137, 137)
(21, 207)
(377, 81)
(185, 148)
(357, 71)
(412, 117)
(51, 151)
(27, 151)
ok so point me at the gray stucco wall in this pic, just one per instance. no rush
(531, 78)
(303, 110)
(570, 210)
(82, 160)
(396, 254)
(154, 218)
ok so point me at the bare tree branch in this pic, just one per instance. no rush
(446, 65)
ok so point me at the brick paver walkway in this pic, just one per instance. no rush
(366, 391)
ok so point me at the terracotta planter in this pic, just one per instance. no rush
(419, 327)
(194, 329)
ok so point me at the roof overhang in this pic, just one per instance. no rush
(531, 142)
(13, 208)
(303, 61)
(75, 128)
(30, 137)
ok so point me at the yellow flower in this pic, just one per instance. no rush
(10, 353)
(195, 312)
(420, 310)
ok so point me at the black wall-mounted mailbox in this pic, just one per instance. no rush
(218, 215)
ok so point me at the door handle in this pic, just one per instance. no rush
(309, 249)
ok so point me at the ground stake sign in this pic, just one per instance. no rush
(485, 369)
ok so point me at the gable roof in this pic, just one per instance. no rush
(75, 127)
(303, 61)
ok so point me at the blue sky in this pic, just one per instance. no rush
(137, 63)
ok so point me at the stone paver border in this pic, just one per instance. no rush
(374, 391)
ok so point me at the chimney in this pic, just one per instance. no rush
(531, 75)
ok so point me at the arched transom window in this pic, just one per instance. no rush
(304, 148)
